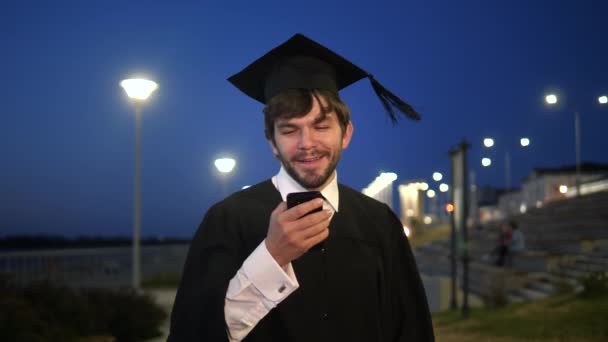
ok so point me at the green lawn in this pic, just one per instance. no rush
(561, 318)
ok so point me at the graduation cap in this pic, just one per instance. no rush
(303, 63)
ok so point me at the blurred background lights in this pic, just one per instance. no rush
(380, 183)
(437, 176)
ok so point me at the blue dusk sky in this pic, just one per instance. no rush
(472, 68)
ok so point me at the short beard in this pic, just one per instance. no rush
(317, 181)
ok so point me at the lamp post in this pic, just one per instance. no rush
(139, 90)
(224, 166)
(552, 99)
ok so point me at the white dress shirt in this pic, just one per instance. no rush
(261, 284)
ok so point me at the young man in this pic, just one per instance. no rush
(258, 271)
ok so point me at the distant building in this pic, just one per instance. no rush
(544, 185)
(411, 200)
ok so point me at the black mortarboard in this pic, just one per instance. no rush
(303, 63)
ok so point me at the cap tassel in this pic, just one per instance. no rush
(389, 100)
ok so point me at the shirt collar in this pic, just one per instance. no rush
(285, 184)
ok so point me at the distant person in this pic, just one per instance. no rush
(511, 242)
(252, 273)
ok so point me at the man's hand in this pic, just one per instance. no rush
(291, 234)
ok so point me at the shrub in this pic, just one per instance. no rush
(595, 284)
(48, 312)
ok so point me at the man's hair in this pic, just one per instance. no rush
(293, 103)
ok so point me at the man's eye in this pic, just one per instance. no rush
(287, 131)
(322, 127)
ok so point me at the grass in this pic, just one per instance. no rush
(162, 281)
(566, 317)
(422, 237)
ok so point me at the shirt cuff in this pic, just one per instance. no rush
(273, 282)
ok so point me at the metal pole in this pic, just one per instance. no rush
(577, 136)
(137, 200)
(453, 300)
(507, 171)
(463, 224)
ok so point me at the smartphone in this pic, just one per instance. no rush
(296, 198)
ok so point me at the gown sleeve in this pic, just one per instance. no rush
(411, 318)
(213, 259)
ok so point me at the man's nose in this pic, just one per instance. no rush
(307, 139)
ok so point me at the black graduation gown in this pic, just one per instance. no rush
(362, 285)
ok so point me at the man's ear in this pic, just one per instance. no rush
(348, 134)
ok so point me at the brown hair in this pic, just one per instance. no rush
(293, 103)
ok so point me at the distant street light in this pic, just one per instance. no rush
(430, 193)
(488, 142)
(437, 176)
(563, 189)
(524, 142)
(552, 99)
(139, 90)
(424, 186)
(443, 187)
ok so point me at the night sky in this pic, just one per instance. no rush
(472, 68)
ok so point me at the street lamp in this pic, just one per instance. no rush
(139, 90)
(524, 142)
(552, 99)
(488, 142)
(485, 162)
(224, 166)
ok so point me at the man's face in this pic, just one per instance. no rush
(309, 147)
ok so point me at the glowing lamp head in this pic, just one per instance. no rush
(225, 165)
(139, 88)
(485, 162)
(602, 99)
(551, 99)
(449, 207)
(488, 142)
